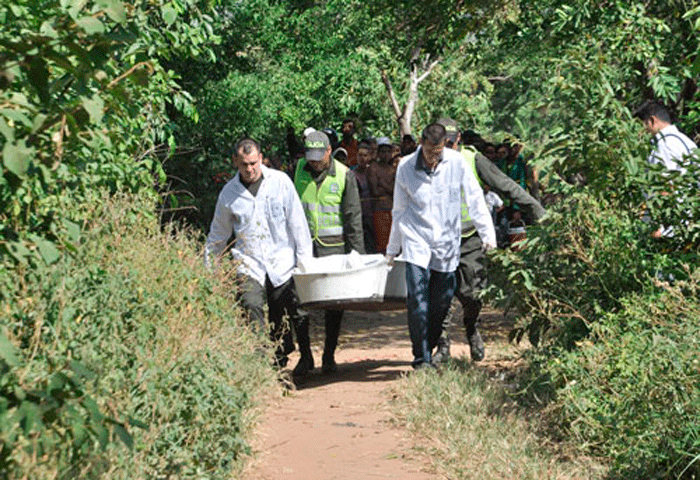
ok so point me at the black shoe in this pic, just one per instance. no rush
(329, 365)
(303, 367)
(425, 366)
(476, 345)
(443, 353)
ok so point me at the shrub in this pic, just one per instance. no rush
(632, 391)
(128, 342)
(577, 265)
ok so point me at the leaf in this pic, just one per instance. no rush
(92, 409)
(102, 435)
(114, 9)
(7, 131)
(48, 250)
(91, 25)
(80, 370)
(72, 230)
(169, 14)
(137, 423)
(38, 75)
(124, 435)
(8, 351)
(30, 415)
(94, 107)
(16, 158)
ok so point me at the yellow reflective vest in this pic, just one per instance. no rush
(322, 204)
(469, 155)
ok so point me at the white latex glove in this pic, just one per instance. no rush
(390, 260)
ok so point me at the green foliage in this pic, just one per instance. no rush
(131, 343)
(82, 107)
(587, 255)
(632, 392)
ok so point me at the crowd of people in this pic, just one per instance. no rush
(440, 203)
(374, 162)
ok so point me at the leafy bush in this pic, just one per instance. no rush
(573, 268)
(632, 391)
(129, 341)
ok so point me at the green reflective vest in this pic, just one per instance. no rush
(469, 155)
(322, 204)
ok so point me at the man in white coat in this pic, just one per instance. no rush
(426, 229)
(261, 209)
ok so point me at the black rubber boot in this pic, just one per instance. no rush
(471, 324)
(306, 361)
(443, 349)
(333, 319)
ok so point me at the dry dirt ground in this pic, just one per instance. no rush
(336, 427)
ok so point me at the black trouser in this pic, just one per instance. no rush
(333, 319)
(471, 279)
(280, 300)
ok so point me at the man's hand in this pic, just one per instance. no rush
(488, 246)
(390, 260)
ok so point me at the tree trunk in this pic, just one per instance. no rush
(405, 113)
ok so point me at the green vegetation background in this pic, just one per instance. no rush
(121, 356)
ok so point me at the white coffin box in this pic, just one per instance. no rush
(351, 282)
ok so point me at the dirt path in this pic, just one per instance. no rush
(335, 427)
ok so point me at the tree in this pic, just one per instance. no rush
(83, 107)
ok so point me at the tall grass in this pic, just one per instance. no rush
(469, 426)
(160, 376)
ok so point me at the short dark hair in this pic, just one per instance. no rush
(434, 134)
(364, 144)
(246, 146)
(649, 109)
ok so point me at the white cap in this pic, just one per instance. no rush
(383, 141)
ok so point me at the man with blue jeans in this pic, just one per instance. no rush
(426, 229)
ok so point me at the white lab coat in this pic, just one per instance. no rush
(426, 218)
(271, 230)
(671, 146)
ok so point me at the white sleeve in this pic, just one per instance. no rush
(297, 225)
(478, 210)
(399, 208)
(497, 200)
(219, 232)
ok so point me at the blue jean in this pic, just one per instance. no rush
(429, 294)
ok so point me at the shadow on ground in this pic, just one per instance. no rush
(363, 332)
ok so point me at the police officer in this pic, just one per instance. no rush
(471, 273)
(331, 201)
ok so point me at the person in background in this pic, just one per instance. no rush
(349, 142)
(381, 176)
(489, 151)
(502, 153)
(493, 201)
(260, 208)
(395, 154)
(364, 157)
(430, 184)
(671, 147)
(471, 270)
(329, 194)
(408, 145)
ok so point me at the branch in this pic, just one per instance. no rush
(432, 65)
(392, 96)
(499, 78)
